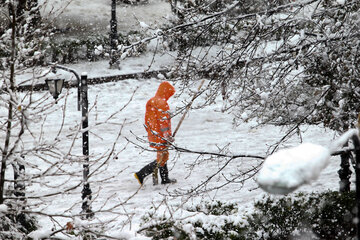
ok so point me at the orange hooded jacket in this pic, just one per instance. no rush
(157, 116)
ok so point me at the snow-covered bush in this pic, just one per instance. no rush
(328, 215)
(15, 226)
(73, 50)
(216, 220)
(333, 65)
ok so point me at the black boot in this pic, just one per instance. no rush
(164, 174)
(148, 169)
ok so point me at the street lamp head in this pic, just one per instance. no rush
(55, 86)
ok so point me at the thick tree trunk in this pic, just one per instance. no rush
(10, 107)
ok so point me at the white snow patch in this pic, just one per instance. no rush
(82, 16)
(264, 96)
(287, 169)
(40, 234)
(3, 208)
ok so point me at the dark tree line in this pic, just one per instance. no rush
(22, 10)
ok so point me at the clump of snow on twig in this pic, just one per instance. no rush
(3, 208)
(287, 169)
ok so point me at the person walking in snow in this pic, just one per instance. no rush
(158, 127)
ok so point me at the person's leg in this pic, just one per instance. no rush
(164, 174)
(162, 158)
(148, 169)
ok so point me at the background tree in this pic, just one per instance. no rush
(281, 64)
(278, 62)
(26, 11)
(43, 169)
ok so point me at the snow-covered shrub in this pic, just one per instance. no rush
(226, 224)
(73, 50)
(16, 226)
(333, 65)
(90, 48)
(165, 231)
(216, 208)
(327, 215)
(216, 220)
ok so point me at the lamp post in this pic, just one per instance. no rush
(286, 170)
(113, 34)
(55, 86)
(356, 142)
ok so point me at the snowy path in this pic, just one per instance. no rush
(122, 203)
(204, 130)
(84, 17)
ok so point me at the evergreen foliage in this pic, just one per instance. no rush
(332, 65)
(327, 215)
(16, 226)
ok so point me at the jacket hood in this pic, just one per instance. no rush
(165, 90)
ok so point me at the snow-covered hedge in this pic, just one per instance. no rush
(71, 50)
(15, 225)
(327, 215)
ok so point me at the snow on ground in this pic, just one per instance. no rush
(205, 129)
(93, 17)
(147, 62)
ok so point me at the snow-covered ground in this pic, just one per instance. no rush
(93, 17)
(116, 193)
(122, 202)
(147, 62)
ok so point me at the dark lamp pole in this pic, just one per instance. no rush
(356, 142)
(86, 192)
(55, 86)
(113, 34)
